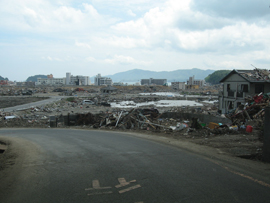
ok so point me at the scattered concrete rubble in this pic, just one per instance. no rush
(160, 115)
(250, 115)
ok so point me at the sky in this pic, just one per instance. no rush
(110, 36)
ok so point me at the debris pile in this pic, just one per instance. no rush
(251, 111)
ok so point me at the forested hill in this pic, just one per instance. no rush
(216, 76)
(35, 77)
(1, 78)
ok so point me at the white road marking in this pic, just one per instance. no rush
(123, 182)
(96, 186)
(130, 188)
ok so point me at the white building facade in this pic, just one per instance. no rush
(178, 85)
(69, 80)
(51, 81)
(152, 81)
(192, 81)
(77, 80)
(102, 80)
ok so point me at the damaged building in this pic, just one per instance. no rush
(240, 84)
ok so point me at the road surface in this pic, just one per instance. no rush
(38, 103)
(64, 165)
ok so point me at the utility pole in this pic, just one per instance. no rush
(266, 136)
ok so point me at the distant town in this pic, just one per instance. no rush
(79, 80)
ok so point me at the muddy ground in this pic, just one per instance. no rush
(234, 143)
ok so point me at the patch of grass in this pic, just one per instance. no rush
(70, 99)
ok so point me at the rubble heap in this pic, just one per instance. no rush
(253, 110)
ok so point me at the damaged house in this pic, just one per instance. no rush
(239, 84)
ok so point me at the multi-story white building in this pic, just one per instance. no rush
(102, 80)
(51, 81)
(77, 80)
(69, 80)
(192, 81)
(152, 81)
(178, 85)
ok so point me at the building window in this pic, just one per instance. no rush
(244, 88)
(228, 87)
(259, 88)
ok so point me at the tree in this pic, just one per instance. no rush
(2, 78)
(216, 76)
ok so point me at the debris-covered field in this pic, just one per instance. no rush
(191, 116)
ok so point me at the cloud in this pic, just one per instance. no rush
(125, 60)
(131, 13)
(91, 10)
(241, 9)
(50, 17)
(79, 44)
(225, 64)
(123, 42)
(193, 30)
(155, 34)
(51, 58)
(68, 15)
(91, 59)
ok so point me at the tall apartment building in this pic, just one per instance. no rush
(192, 81)
(178, 85)
(152, 81)
(102, 80)
(77, 80)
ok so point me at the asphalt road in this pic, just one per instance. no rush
(38, 103)
(59, 165)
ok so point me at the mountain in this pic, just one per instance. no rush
(136, 75)
(35, 77)
(1, 78)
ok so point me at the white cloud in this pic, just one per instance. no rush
(91, 10)
(91, 59)
(79, 44)
(175, 23)
(154, 34)
(124, 42)
(225, 64)
(125, 60)
(131, 13)
(68, 15)
(52, 58)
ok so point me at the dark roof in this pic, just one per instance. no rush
(256, 75)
